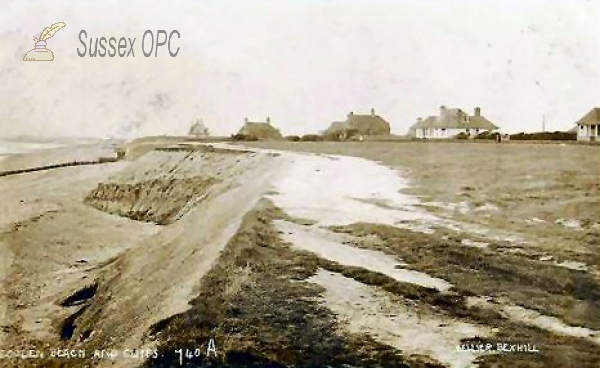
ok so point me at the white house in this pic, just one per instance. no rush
(588, 126)
(450, 123)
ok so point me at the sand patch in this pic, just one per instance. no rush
(324, 244)
(573, 265)
(474, 244)
(350, 190)
(534, 318)
(364, 309)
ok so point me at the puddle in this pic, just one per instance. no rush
(329, 246)
(534, 318)
(69, 325)
(80, 296)
(364, 309)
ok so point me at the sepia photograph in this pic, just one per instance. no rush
(300, 183)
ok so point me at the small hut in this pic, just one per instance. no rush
(198, 129)
(588, 127)
(259, 130)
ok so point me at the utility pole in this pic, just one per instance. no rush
(543, 123)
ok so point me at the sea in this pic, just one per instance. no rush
(9, 148)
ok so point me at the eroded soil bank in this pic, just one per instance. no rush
(77, 277)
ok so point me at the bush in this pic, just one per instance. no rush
(330, 137)
(461, 135)
(487, 135)
(311, 138)
(243, 137)
(545, 136)
(292, 138)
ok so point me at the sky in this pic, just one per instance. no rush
(303, 63)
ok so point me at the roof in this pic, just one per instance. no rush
(479, 122)
(260, 130)
(455, 119)
(199, 128)
(256, 124)
(592, 117)
(368, 123)
(338, 126)
(357, 120)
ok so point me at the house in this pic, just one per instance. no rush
(450, 123)
(588, 126)
(260, 130)
(358, 125)
(199, 130)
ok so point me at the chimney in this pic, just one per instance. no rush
(268, 120)
(442, 110)
(419, 119)
(478, 111)
(245, 120)
(350, 114)
(372, 112)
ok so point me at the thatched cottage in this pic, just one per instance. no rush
(199, 130)
(450, 123)
(358, 125)
(588, 126)
(260, 130)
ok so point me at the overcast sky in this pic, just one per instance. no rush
(304, 63)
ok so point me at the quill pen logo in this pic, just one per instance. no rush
(40, 52)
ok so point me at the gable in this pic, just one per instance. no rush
(592, 117)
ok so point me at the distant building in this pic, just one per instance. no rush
(121, 153)
(358, 125)
(450, 123)
(260, 130)
(588, 126)
(199, 130)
